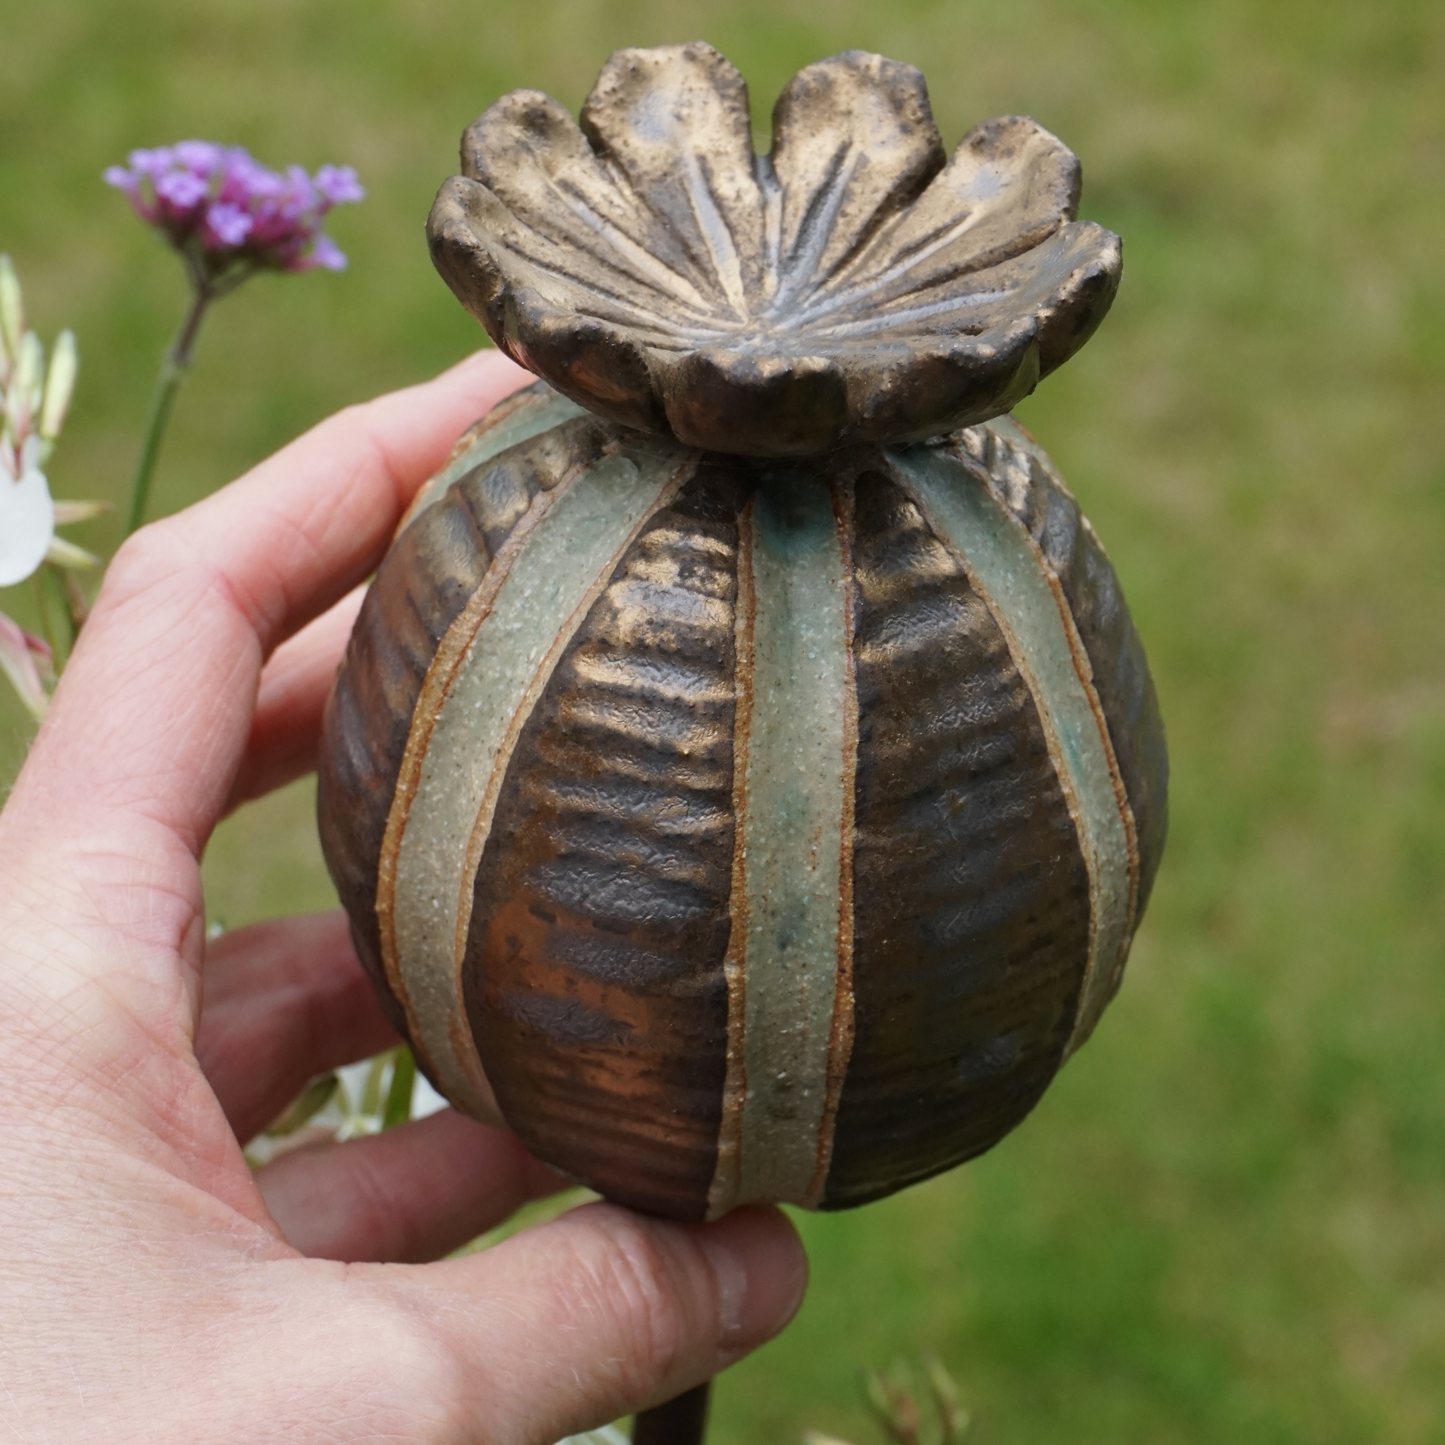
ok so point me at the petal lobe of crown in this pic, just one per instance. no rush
(599, 366)
(927, 390)
(1084, 299)
(754, 405)
(461, 258)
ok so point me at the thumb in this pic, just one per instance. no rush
(603, 1313)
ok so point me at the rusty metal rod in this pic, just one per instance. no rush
(679, 1421)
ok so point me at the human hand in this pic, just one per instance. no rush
(151, 1286)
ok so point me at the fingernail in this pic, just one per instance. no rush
(761, 1273)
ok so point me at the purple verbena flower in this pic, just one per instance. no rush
(326, 254)
(227, 225)
(180, 192)
(339, 184)
(229, 215)
(201, 156)
(152, 163)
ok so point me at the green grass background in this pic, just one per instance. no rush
(1226, 1222)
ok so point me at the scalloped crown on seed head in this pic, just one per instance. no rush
(854, 285)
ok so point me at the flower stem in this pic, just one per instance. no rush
(172, 373)
(403, 1082)
(56, 620)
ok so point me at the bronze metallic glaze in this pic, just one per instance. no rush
(594, 969)
(435, 688)
(1026, 481)
(1083, 667)
(853, 285)
(433, 570)
(1006, 568)
(971, 897)
(862, 304)
(537, 397)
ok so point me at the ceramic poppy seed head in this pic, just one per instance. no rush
(853, 285)
(741, 830)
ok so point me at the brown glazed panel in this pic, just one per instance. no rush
(423, 583)
(971, 928)
(1038, 497)
(593, 973)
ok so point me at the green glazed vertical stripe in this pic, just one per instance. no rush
(528, 421)
(1007, 570)
(560, 570)
(795, 812)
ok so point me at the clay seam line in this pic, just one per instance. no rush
(677, 477)
(1084, 1025)
(519, 418)
(722, 1194)
(840, 1041)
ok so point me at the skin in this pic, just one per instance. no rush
(151, 1286)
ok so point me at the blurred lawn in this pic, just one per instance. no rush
(1227, 1220)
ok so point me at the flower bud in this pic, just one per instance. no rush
(59, 385)
(25, 381)
(12, 315)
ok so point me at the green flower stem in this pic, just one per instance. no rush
(56, 620)
(403, 1082)
(172, 373)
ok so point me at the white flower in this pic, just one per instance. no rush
(27, 515)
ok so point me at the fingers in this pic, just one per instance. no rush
(599, 1314)
(309, 523)
(411, 1194)
(283, 1001)
(154, 712)
(294, 686)
(306, 525)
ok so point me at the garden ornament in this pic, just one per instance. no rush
(744, 778)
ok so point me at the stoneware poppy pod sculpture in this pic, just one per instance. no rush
(745, 779)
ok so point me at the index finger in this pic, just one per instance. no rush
(154, 710)
(298, 531)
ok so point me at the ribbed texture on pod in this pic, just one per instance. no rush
(434, 567)
(970, 891)
(594, 966)
(797, 849)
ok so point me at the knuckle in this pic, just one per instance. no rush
(144, 556)
(161, 572)
(155, 569)
(640, 1290)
